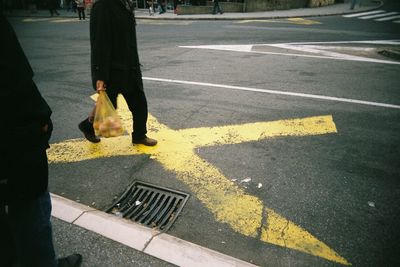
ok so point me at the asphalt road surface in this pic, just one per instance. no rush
(285, 133)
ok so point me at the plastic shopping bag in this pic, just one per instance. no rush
(106, 122)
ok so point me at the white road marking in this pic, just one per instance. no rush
(388, 18)
(318, 51)
(379, 15)
(133, 235)
(384, 42)
(328, 54)
(277, 92)
(363, 13)
(67, 20)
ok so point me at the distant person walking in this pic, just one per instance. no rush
(217, 8)
(353, 3)
(73, 6)
(80, 5)
(161, 6)
(52, 6)
(68, 5)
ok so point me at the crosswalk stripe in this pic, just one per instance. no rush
(379, 15)
(364, 13)
(388, 18)
(396, 21)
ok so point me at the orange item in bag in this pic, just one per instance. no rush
(107, 122)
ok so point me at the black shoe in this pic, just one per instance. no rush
(145, 141)
(73, 260)
(87, 129)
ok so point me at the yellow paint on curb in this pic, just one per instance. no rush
(303, 21)
(229, 203)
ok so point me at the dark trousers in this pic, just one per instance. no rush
(137, 104)
(217, 8)
(81, 12)
(26, 234)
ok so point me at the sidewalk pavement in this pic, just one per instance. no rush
(336, 9)
(102, 240)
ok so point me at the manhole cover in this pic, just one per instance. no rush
(150, 205)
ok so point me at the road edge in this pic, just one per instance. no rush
(152, 242)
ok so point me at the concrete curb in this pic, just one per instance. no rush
(157, 244)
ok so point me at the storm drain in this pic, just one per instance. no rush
(150, 205)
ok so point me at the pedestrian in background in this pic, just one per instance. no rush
(353, 3)
(80, 5)
(68, 5)
(52, 5)
(150, 5)
(217, 8)
(161, 6)
(115, 64)
(73, 4)
(25, 205)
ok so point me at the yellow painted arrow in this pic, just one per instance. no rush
(229, 203)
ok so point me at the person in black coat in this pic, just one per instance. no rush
(52, 5)
(217, 8)
(115, 64)
(25, 205)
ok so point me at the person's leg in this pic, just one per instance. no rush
(32, 231)
(83, 13)
(137, 104)
(7, 253)
(353, 4)
(86, 127)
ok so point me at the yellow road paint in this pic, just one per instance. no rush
(300, 21)
(229, 203)
(282, 232)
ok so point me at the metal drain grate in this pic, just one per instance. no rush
(150, 205)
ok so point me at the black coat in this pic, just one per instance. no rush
(24, 112)
(114, 53)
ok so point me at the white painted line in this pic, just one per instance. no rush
(379, 15)
(388, 18)
(345, 48)
(293, 46)
(162, 246)
(396, 21)
(276, 92)
(328, 54)
(384, 42)
(65, 20)
(364, 13)
(188, 254)
(37, 19)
